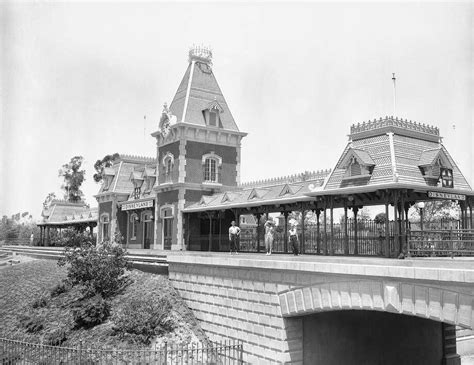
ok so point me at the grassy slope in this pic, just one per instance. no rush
(20, 285)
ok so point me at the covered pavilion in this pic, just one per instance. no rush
(388, 162)
(62, 214)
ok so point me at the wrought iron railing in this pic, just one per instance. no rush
(451, 242)
(18, 352)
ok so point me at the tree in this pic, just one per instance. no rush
(73, 179)
(47, 201)
(380, 218)
(100, 165)
(435, 210)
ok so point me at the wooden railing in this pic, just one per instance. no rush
(18, 352)
(451, 242)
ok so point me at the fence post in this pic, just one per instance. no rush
(80, 352)
(452, 242)
(166, 353)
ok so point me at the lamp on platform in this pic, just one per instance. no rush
(421, 206)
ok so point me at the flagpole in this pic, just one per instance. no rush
(394, 94)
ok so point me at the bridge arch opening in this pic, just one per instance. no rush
(374, 337)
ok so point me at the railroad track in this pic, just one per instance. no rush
(154, 263)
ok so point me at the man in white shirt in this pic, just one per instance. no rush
(234, 233)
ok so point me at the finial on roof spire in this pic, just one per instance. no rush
(201, 54)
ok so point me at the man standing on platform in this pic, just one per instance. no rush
(234, 234)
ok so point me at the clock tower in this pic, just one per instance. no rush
(198, 149)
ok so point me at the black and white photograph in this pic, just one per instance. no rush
(237, 182)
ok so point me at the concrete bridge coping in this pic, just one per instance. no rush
(458, 270)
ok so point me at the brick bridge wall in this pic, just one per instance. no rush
(261, 302)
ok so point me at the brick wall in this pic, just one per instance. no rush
(266, 303)
(241, 304)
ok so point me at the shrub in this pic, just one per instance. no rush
(32, 324)
(58, 289)
(141, 319)
(41, 301)
(91, 312)
(100, 269)
(56, 337)
(72, 238)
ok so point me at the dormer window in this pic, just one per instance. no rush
(358, 166)
(435, 167)
(136, 192)
(137, 180)
(211, 165)
(212, 114)
(109, 174)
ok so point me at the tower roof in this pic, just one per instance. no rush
(199, 91)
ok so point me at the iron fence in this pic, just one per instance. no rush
(217, 353)
(451, 242)
(371, 238)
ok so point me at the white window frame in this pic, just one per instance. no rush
(218, 164)
(105, 225)
(133, 228)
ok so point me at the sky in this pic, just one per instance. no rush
(77, 78)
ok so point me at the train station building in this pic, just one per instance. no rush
(186, 196)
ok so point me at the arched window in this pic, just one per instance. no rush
(168, 165)
(211, 165)
(105, 222)
(355, 168)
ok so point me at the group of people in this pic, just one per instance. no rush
(234, 234)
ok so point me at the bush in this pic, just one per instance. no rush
(41, 301)
(100, 269)
(58, 289)
(141, 319)
(32, 324)
(72, 238)
(91, 312)
(56, 337)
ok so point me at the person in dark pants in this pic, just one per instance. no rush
(234, 233)
(293, 239)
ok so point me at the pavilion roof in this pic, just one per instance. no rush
(61, 212)
(397, 155)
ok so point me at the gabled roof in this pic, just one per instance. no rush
(429, 157)
(197, 91)
(362, 156)
(136, 175)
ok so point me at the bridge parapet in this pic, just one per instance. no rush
(261, 300)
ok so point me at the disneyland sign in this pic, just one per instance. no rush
(138, 205)
(447, 196)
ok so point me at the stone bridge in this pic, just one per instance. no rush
(329, 310)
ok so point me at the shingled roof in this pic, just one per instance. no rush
(64, 213)
(199, 91)
(123, 168)
(397, 148)
(284, 190)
